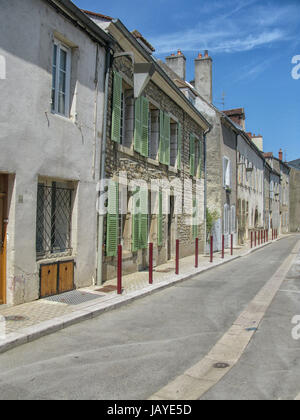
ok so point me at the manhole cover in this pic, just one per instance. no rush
(221, 365)
(107, 289)
(15, 318)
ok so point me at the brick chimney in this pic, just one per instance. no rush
(237, 115)
(203, 76)
(280, 155)
(177, 63)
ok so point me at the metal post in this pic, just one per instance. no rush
(119, 286)
(151, 263)
(196, 252)
(223, 246)
(211, 249)
(231, 247)
(177, 257)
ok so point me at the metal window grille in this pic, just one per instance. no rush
(54, 213)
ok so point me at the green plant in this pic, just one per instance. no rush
(211, 217)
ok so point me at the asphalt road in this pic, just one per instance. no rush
(131, 352)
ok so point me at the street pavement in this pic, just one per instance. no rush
(133, 351)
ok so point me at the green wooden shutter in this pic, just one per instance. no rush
(167, 138)
(136, 221)
(195, 221)
(144, 148)
(192, 155)
(112, 220)
(116, 109)
(138, 125)
(179, 145)
(161, 151)
(159, 220)
(143, 227)
(200, 158)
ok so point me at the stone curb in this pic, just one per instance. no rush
(53, 325)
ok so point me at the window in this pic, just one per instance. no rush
(140, 228)
(233, 219)
(61, 75)
(195, 156)
(54, 216)
(164, 138)
(226, 172)
(226, 219)
(153, 132)
(141, 127)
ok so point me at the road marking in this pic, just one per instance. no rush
(197, 380)
(289, 291)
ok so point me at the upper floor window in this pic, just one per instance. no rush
(61, 75)
(226, 172)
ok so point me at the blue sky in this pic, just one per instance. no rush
(252, 44)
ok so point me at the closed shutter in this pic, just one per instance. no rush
(192, 155)
(161, 150)
(136, 221)
(167, 138)
(116, 110)
(200, 158)
(143, 228)
(179, 142)
(195, 221)
(159, 220)
(144, 148)
(112, 219)
(138, 125)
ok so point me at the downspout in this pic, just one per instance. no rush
(205, 185)
(102, 168)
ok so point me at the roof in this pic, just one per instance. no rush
(99, 15)
(138, 35)
(78, 18)
(236, 111)
(294, 164)
(268, 155)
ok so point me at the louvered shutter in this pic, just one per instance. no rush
(144, 149)
(112, 219)
(116, 109)
(159, 220)
(167, 139)
(138, 125)
(136, 221)
(200, 158)
(179, 145)
(143, 228)
(161, 150)
(192, 155)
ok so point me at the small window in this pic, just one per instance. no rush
(173, 143)
(154, 135)
(226, 172)
(61, 75)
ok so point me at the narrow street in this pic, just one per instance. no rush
(134, 351)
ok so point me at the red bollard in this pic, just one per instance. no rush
(151, 263)
(231, 245)
(223, 246)
(211, 249)
(196, 252)
(177, 257)
(251, 239)
(119, 285)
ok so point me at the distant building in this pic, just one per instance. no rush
(294, 195)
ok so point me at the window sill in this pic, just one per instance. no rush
(173, 169)
(153, 162)
(125, 150)
(55, 258)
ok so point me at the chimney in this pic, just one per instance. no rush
(237, 116)
(177, 63)
(280, 155)
(203, 76)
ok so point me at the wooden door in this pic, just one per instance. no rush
(3, 236)
(48, 280)
(66, 276)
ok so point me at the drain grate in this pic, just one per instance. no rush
(221, 365)
(75, 297)
(15, 318)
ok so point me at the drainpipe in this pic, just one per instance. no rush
(205, 183)
(102, 167)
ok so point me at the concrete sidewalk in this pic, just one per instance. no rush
(24, 323)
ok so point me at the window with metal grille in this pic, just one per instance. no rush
(54, 215)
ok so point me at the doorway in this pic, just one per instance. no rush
(3, 236)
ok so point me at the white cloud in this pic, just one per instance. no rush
(241, 27)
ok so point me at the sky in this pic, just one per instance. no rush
(252, 44)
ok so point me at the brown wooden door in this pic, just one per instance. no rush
(48, 280)
(66, 276)
(3, 236)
